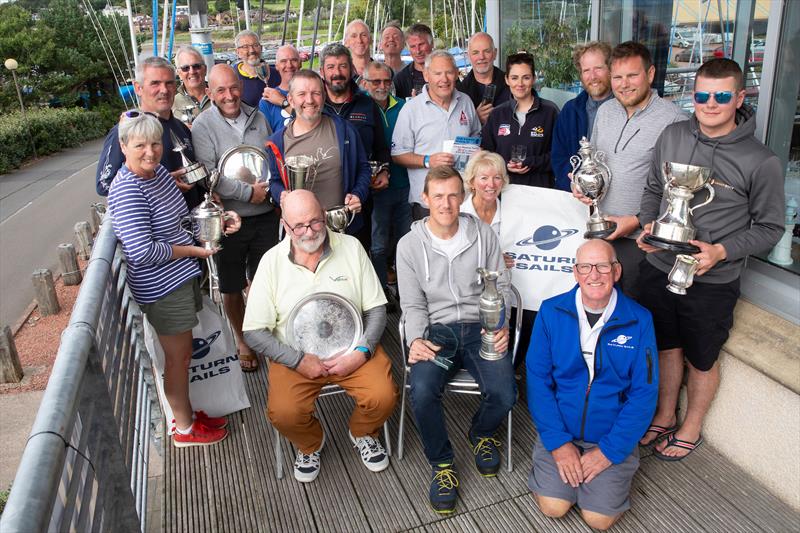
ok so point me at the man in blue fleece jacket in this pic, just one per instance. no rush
(592, 390)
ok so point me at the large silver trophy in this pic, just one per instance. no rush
(245, 163)
(674, 229)
(681, 276)
(324, 324)
(592, 178)
(301, 171)
(492, 313)
(195, 171)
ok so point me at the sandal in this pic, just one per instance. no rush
(672, 440)
(249, 362)
(660, 432)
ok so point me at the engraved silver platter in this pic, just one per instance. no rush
(324, 324)
(245, 163)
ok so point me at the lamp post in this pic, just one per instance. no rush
(12, 65)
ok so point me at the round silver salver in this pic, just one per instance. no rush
(324, 324)
(244, 163)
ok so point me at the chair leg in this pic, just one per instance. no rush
(401, 429)
(509, 461)
(387, 438)
(278, 453)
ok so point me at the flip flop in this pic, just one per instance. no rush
(660, 432)
(678, 443)
(251, 360)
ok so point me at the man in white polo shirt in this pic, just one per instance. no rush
(439, 114)
(315, 260)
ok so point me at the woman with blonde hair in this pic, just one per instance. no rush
(484, 179)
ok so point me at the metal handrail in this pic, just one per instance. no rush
(85, 465)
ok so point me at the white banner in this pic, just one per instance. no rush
(541, 229)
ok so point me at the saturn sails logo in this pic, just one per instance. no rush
(202, 347)
(547, 237)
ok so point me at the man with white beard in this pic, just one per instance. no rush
(254, 73)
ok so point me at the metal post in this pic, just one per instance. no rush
(132, 31)
(316, 29)
(285, 22)
(247, 14)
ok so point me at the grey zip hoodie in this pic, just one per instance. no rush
(212, 136)
(745, 220)
(435, 289)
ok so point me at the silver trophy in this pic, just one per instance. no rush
(324, 324)
(207, 226)
(376, 167)
(194, 171)
(674, 229)
(188, 113)
(682, 274)
(492, 313)
(301, 171)
(245, 163)
(339, 217)
(592, 178)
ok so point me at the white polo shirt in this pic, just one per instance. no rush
(422, 127)
(280, 283)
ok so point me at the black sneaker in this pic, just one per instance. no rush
(444, 489)
(487, 456)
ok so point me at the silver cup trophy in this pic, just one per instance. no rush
(682, 274)
(207, 225)
(492, 313)
(339, 217)
(195, 171)
(674, 229)
(592, 178)
(375, 168)
(301, 171)
(188, 113)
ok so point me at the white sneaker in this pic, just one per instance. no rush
(373, 455)
(306, 467)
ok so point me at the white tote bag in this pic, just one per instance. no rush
(216, 384)
(541, 229)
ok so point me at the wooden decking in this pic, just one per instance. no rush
(232, 487)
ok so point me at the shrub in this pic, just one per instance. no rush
(51, 130)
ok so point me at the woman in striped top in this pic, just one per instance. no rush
(146, 207)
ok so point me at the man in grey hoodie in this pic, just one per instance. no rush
(227, 124)
(745, 217)
(439, 294)
(626, 129)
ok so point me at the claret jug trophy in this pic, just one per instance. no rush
(592, 178)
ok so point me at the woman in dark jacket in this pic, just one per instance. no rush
(521, 130)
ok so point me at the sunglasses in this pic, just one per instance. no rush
(193, 66)
(380, 82)
(133, 113)
(721, 97)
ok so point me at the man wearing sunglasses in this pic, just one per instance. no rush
(255, 74)
(592, 389)
(745, 217)
(314, 260)
(191, 98)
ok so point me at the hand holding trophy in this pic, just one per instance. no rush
(592, 177)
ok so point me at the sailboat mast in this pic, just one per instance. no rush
(132, 31)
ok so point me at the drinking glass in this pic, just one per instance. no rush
(518, 153)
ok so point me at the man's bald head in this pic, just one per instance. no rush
(302, 211)
(225, 90)
(298, 203)
(596, 245)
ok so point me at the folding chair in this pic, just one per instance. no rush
(462, 382)
(327, 390)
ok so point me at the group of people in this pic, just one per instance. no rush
(604, 360)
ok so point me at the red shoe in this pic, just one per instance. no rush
(213, 422)
(200, 435)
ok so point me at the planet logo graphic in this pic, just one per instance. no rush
(547, 237)
(201, 347)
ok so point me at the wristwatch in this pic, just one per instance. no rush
(366, 351)
(426, 161)
(284, 104)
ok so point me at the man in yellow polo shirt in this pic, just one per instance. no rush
(316, 260)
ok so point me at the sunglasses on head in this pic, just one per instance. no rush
(133, 113)
(193, 66)
(721, 97)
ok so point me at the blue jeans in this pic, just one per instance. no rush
(391, 217)
(497, 386)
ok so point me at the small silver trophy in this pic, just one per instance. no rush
(682, 274)
(592, 178)
(207, 226)
(188, 113)
(376, 167)
(492, 313)
(674, 229)
(194, 171)
(339, 217)
(301, 171)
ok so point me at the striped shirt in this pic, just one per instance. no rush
(146, 216)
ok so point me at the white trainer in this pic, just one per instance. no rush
(306, 467)
(373, 455)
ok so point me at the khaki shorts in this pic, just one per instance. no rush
(177, 311)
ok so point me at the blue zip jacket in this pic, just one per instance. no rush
(616, 408)
(356, 174)
(572, 124)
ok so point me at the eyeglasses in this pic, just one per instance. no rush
(722, 97)
(193, 66)
(602, 268)
(249, 47)
(380, 82)
(300, 229)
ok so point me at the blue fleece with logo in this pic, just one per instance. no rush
(616, 408)
(572, 124)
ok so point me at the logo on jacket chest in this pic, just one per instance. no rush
(358, 117)
(464, 121)
(537, 131)
(622, 341)
(504, 130)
